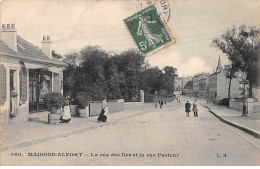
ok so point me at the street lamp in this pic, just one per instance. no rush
(244, 82)
(156, 99)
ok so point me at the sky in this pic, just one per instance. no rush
(73, 24)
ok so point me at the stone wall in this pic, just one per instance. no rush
(113, 106)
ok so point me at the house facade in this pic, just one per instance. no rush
(195, 87)
(178, 85)
(27, 73)
(219, 84)
(188, 89)
(203, 87)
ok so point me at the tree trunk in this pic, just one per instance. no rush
(250, 89)
(229, 86)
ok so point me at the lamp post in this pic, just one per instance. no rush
(156, 99)
(244, 82)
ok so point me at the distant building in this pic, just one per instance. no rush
(178, 84)
(198, 90)
(203, 87)
(218, 84)
(195, 84)
(185, 81)
(188, 88)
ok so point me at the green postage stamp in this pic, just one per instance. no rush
(148, 30)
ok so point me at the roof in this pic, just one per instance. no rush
(6, 49)
(219, 67)
(215, 73)
(29, 52)
(189, 85)
(203, 79)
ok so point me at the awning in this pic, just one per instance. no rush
(33, 66)
(55, 69)
(38, 66)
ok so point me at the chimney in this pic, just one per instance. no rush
(9, 36)
(46, 46)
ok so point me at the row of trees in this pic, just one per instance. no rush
(101, 74)
(242, 47)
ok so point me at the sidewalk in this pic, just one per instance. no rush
(25, 133)
(249, 124)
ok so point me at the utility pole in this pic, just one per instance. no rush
(244, 82)
(156, 99)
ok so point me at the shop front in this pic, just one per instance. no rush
(27, 73)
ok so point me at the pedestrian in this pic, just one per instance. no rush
(187, 108)
(161, 103)
(66, 116)
(165, 101)
(104, 111)
(195, 108)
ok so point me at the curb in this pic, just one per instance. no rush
(69, 133)
(241, 127)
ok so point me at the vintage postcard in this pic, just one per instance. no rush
(129, 83)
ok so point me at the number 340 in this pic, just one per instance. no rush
(16, 154)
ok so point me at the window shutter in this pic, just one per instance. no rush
(3, 84)
(56, 82)
(23, 84)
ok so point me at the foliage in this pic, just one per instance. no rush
(225, 102)
(82, 100)
(54, 101)
(242, 48)
(71, 59)
(56, 55)
(115, 76)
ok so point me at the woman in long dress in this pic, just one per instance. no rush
(104, 111)
(66, 116)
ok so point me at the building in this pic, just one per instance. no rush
(27, 73)
(188, 88)
(195, 83)
(197, 89)
(185, 81)
(219, 84)
(203, 87)
(178, 85)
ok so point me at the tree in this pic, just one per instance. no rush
(130, 63)
(230, 73)
(242, 48)
(70, 72)
(168, 79)
(91, 78)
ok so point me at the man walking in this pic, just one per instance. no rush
(195, 108)
(187, 108)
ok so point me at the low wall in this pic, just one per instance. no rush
(133, 106)
(253, 107)
(236, 104)
(95, 107)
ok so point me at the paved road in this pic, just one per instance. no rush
(165, 137)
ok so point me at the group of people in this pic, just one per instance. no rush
(66, 116)
(194, 108)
